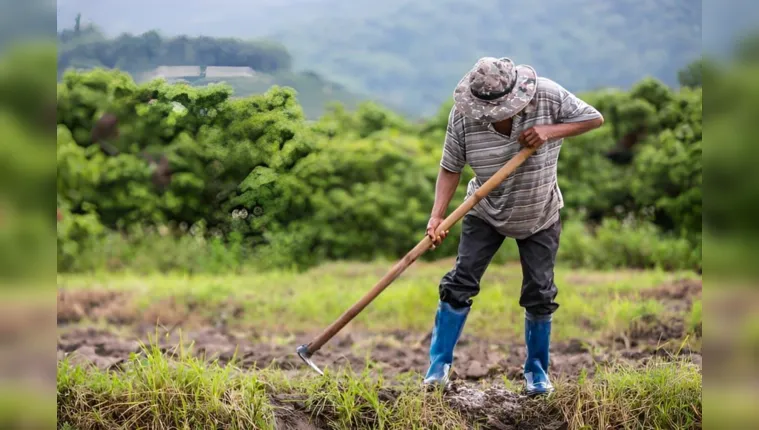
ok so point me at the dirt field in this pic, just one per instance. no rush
(100, 328)
(394, 352)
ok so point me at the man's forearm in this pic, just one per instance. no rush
(570, 129)
(444, 190)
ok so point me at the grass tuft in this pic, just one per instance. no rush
(155, 391)
(662, 395)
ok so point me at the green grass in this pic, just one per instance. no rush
(694, 320)
(732, 404)
(25, 405)
(591, 303)
(660, 396)
(155, 392)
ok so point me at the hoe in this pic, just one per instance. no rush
(306, 351)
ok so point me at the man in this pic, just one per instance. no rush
(499, 107)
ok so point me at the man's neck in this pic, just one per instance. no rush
(504, 127)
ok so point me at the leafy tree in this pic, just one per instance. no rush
(353, 185)
(691, 75)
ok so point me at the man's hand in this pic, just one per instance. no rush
(535, 136)
(432, 226)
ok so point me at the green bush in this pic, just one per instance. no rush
(85, 246)
(27, 173)
(263, 187)
(616, 244)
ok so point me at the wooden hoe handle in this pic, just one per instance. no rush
(418, 250)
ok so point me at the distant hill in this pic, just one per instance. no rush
(412, 52)
(313, 92)
(250, 67)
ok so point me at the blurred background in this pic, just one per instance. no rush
(27, 244)
(349, 169)
(240, 136)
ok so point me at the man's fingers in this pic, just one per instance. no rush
(527, 137)
(436, 238)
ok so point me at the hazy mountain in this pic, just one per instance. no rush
(412, 53)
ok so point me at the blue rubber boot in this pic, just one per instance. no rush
(537, 334)
(449, 322)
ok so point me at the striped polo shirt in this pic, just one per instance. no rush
(528, 200)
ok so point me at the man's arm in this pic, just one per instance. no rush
(570, 129)
(445, 188)
(540, 134)
(572, 117)
(451, 164)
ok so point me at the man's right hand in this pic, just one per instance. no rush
(432, 226)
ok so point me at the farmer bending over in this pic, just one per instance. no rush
(499, 106)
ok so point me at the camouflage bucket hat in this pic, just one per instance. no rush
(495, 89)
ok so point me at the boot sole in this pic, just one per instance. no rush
(435, 384)
(539, 393)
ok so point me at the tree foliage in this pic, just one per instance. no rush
(86, 47)
(353, 185)
(212, 144)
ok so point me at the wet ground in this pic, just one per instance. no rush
(396, 352)
(122, 328)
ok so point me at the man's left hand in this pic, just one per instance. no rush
(535, 136)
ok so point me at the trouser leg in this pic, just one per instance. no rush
(537, 254)
(479, 243)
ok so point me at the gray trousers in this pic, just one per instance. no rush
(479, 243)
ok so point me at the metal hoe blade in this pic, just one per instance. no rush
(306, 357)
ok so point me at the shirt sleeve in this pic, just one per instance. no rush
(573, 109)
(454, 153)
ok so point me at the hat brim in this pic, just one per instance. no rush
(498, 109)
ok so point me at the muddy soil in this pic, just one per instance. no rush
(392, 353)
